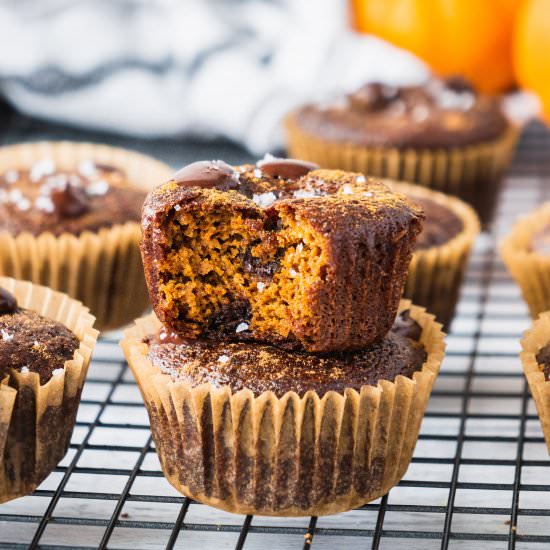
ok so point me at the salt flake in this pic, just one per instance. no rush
(241, 327)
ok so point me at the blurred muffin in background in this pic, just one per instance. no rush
(442, 135)
(441, 252)
(526, 253)
(69, 219)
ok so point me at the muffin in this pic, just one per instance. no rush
(280, 252)
(441, 135)
(441, 252)
(252, 428)
(526, 253)
(46, 342)
(69, 219)
(535, 359)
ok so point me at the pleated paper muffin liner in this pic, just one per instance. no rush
(36, 421)
(534, 339)
(472, 173)
(101, 269)
(287, 456)
(530, 269)
(436, 273)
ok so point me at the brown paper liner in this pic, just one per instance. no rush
(36, 421)
(534, 339)
(530, 269)
(101, 269)
(435, 274)
(286, 456)
(472, 173)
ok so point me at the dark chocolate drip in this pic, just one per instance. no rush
(71, 201)
(207, 175)
(286, 168)
(406, 326)
(167, 336)
(8, 303)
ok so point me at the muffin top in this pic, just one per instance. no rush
(440, 226)
(260, 367)
(47, 198)
(440, 113)
(30, 342)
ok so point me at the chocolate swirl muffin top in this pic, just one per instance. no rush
(440, 113)
(47, 198)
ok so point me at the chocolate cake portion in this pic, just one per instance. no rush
(48, 198)
(30, 342)
(440, 113)
(280, 253)
(261, 367)
(440, 226)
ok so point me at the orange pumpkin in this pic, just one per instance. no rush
(468, 37)
(532, 50)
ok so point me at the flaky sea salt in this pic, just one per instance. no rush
(11, 176)
(177, 207)
(265, 199)
(257, 173)
(45, 204)
(6, 336)
(367, 194)
(420, 113)
(347, 189)
(360, 179)
(299, 247)
(23, 204)
(448, 99)
(260, 286)
(87, 168)
(25, 370)
(97, 188)
(292, 272)
(241, 327)
(42, 168)
(223, 359)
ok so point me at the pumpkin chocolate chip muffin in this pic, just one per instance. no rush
(280, 252)
(69, 219)
(46, 340)
(442, 134)
(253, 272)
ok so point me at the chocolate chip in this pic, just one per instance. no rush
(8, 303)
(70, 201)
(286, 168)
(458, 83)
(373, 96)
(207, 175)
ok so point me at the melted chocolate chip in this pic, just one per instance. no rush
(373, 96)
(229, 317)
(71, 201)
(167, 336)
(459, 84)
(406, 326)
(207, 175)
(286, 168)
(8, 303)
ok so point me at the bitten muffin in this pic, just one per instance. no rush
(441, 134)
(46, 340)
(69, 219)
(441, 252)
(535, 359)
(280, 252)
(255, 429)
(526, 253)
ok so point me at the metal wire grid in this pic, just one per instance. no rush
(478, 477)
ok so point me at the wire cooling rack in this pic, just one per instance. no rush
(478, 479)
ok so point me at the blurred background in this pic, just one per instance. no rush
(166, 72)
